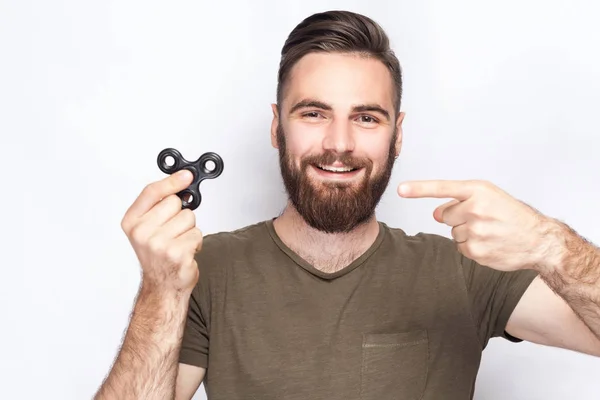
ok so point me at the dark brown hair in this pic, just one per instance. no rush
(338, 32)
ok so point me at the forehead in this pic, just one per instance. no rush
(340, 79)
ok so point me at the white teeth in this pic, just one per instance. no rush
(335, 169)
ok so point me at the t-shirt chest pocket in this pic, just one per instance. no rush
(394, 365)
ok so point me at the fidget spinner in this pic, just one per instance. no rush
(191, 197)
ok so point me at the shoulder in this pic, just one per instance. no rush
(426, 254)
(220, 247)
(421, 242)
(246, 234)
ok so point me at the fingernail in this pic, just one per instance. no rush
(184, 174)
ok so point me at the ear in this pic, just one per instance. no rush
(274, 126)
(399, 121)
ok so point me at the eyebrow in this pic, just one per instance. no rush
(310, 103)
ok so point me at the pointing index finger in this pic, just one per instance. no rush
(459, 190)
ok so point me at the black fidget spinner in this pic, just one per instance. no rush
(191, 196)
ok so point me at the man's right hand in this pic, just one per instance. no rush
(165, 239)
(164, 236)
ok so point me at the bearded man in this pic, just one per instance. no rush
(325, 301)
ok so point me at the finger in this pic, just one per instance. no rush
(163, 211)
(459, 190)
(191, 239)
(460, 233)
(156, 191)
(453, 213)
(182, 250)
(182, 222)
(439, 212)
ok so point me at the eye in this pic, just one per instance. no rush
(311, 114)
(367, 119)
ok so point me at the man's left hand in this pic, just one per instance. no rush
(488, 225)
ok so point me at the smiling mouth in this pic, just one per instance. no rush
(339, 170)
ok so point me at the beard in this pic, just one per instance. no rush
(333, 207)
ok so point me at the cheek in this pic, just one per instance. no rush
(377, 151)
(302, 142)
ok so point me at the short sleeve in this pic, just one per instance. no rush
(493, 295)
(195, 343)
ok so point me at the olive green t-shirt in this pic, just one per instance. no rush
(407, 320)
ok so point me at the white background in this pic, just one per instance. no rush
(90, 92)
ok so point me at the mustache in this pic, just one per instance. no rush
(331, 157)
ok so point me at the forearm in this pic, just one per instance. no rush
(146, 367)
(573, 271)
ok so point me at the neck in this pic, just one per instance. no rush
(328, 252)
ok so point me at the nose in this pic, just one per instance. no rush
(339, 137)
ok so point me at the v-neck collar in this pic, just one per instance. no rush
(326, 275)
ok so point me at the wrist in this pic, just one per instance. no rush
(160, 304)
(163, 293)
(553, 248)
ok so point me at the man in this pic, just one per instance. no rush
(325, 301)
